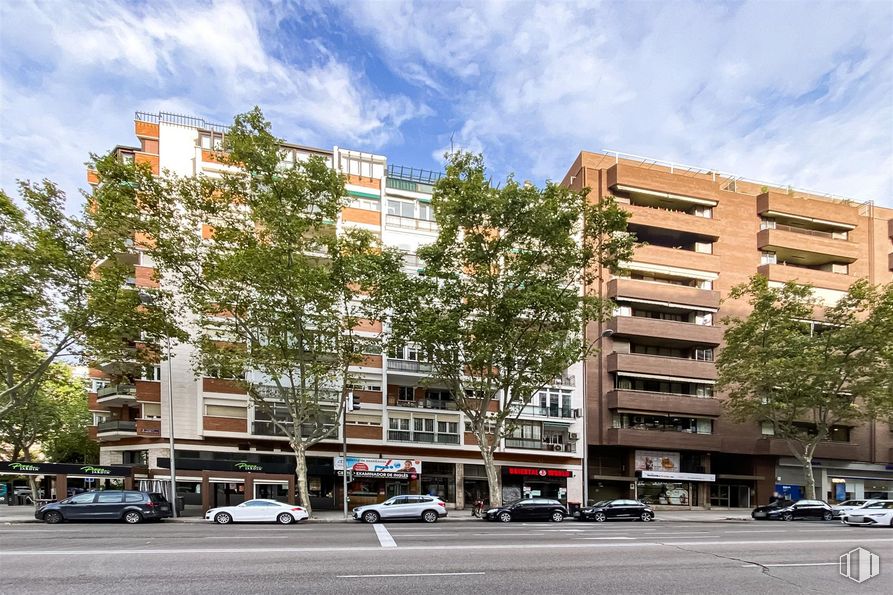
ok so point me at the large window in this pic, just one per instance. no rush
(427, 429)
(401, 208)
(663, 423)
(526, 435)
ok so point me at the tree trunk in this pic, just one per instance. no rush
(301, 472)
(32, 481)
(493, 483)
(806, 461)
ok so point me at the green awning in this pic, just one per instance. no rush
(363, 194)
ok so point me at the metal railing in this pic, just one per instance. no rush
(425, 437)
(116, 389)
(180, 120)
(414, 174)
(410, 223)
(408, 365)
(804, 231)
(538, 445)
(543, 411)
(116, 426)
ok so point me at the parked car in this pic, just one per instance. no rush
(426, 508)
(257, 511)
(879, 512)
(787, 511)
(609, 510)
(531, 509)
(129, 506)
(847, 505)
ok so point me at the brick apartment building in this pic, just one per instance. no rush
(227, 450)
(655, 427)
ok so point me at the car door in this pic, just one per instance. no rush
(423, 503)
(394, 507)
(251, 511)
(521, 510)
(107, 506)
(614, 509)
(78, 507)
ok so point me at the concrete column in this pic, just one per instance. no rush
(128, 483)
(206, 492)
(61, 486)
(249, 487)
(460, 486)
(291, 489)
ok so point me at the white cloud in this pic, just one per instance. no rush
(75, 72)
(801, 92)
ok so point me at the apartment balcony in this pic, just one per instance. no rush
(676, 257)
(824, 279)
(655, 365)
(662, 439)
(666, 218)
(424, 404)
(548, 412)
(410, 224)
(409, 366)
(824, 213)
(668, 330)
(539, 445)
(663, 292)
(115, 429)
(699, 187)
(422, 437)
(670, 403)
(812, 242)
(116, 395)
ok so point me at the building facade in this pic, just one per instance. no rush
(408, 434)
(655, 426)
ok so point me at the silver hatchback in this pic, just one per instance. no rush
(426, 508)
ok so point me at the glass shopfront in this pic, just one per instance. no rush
(533, 482)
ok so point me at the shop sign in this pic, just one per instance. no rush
(236, 466)
(378, 474)
(534, 472)
(677, 476)
(378, 466)
(657, 460)
(64, 468)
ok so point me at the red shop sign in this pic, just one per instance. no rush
(539, 472)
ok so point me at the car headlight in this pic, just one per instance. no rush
(491, 510)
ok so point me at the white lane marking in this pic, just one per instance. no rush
(228, 537)
(790, 564)
(241, 551)
(384, 538)
(763, 531)
(604, 538)
(419, 574)
(565, 530)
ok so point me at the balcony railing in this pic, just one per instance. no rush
(116, 389)
(268, 428)
(426, 437)
(408, 365)
(411, 223)
(116, 426)
(805, 231)
(543, 411)
(538, 445)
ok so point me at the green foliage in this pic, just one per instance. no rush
(804, 367)
(499, 309)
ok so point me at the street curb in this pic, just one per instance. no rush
(728, 520)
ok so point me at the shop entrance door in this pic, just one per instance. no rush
(395, 488)
(226, 494)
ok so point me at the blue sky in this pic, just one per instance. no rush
(798, 93)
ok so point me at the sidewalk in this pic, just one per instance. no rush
(25, 514)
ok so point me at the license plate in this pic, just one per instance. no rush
(759, 515)
(165, 508)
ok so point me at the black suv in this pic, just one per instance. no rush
(128, 506)
(608, 510)
(532, 509)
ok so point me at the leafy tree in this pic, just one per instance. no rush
(499, 309)
(64, 290)
(805, 368)
(275, 292)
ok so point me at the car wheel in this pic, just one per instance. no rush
(132, 517)
(429, 516)
(557, 516)
(600, 517)
(646, 517)
(504, 517)
(285, 519)
(52, 517)
(371, 517)
(223, 518)
(787, 516)
(827, 516)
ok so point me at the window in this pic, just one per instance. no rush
(109, 498)
(131, 497)
(366, 204)
(704, 354)
(663, 423)
(401, 208)
(151, 410)
(210, 141)
(405, 393)
(768, 258)
(226, 411)
(150, 372)
(398, 423)
(426, 212)
(83, 499)
(96, 385)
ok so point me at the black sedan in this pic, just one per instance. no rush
(786, 510)
(532, 509)
(609, 510)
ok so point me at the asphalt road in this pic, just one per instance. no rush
(470, 557)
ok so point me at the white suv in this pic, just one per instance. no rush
(426, 508)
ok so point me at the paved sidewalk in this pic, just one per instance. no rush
(25, 514)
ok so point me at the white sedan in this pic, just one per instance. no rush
(876, 513)
(257, 511)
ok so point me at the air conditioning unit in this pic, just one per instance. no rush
(578, 413)
(572, 436)
(558, 447)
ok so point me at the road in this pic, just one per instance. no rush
(457, 557)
